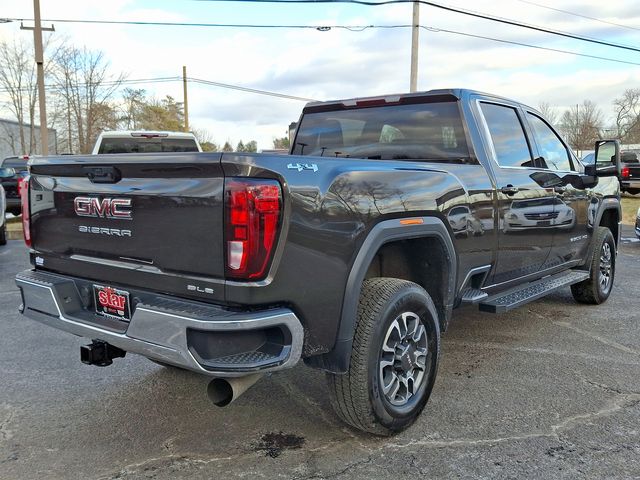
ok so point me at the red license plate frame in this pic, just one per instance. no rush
(112, 302)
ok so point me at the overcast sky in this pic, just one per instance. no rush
(340, 63)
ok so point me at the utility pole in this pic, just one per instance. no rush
(415, 34)
(186, 101)
(37, 41)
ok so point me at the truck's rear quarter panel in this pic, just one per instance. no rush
(328, 214)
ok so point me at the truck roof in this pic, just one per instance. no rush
(451, 93)
(141, 133)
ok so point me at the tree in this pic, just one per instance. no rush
(249, 147)
(18, 79)
(627, 113)
(86, 87)
(549, 112)
(204, 139)
(164, 114)
(133, 104)
(227, 147)
(281, 143)
(581, 125)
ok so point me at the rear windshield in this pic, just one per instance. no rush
(431, 131)
(147, 145)
(18, 164)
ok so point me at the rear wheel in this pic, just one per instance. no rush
(394, 358)
(3, 234)
(597, 288)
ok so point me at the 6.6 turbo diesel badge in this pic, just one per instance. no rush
(113, 208)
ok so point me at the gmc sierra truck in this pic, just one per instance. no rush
(350, 253)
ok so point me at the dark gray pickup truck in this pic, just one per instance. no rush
(351, 253)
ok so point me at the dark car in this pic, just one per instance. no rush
(13, 169)
(3, 222)
(630, 172)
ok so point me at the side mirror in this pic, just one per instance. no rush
(607, 159)
(7, 172)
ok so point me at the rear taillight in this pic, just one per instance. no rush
(625, 172)
(252, 219)
(23, 190)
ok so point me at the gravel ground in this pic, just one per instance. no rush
(551, 390)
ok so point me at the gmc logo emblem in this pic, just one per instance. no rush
(114, 208)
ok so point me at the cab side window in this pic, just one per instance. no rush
(507, 135)
(552, 150)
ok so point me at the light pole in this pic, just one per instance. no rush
(37, 46)
(415, 34)
(186, 100)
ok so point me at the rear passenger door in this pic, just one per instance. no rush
(525, 208)
(572, 200)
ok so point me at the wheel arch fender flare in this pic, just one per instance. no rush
(609, 204)
(337, 360)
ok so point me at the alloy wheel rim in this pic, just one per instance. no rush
(403, 361)
(606, 268)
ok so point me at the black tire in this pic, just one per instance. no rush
(596, 289)
(3, 234)
(358, 396)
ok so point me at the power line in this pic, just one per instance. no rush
(173, 79)
(351, 28)
(484, 16)
(578, 15)
(321, 28)
(510, 42)
(107, 83)
(249, 90)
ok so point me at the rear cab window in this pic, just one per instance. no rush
(146, 145)
(421, 131)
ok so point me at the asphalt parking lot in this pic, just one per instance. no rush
(549, 391)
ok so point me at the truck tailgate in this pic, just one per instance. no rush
(152, 213)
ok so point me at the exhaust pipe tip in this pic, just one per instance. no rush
(220, 392)
(223, 391)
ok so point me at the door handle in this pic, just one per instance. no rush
(509, 190)
(560, 189)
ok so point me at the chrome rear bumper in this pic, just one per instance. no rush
(178, 332)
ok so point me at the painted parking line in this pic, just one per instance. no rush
(630, 240)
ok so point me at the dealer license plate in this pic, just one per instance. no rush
(112, 302)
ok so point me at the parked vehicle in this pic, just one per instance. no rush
(145, 141)
(13, 169)
(342, 254)
(463, 222)
(3, 214)
(539, 213)
(630, 172)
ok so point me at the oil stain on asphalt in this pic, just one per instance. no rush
(274, 443)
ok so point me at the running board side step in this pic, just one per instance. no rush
(514, 298)
(473, 295)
